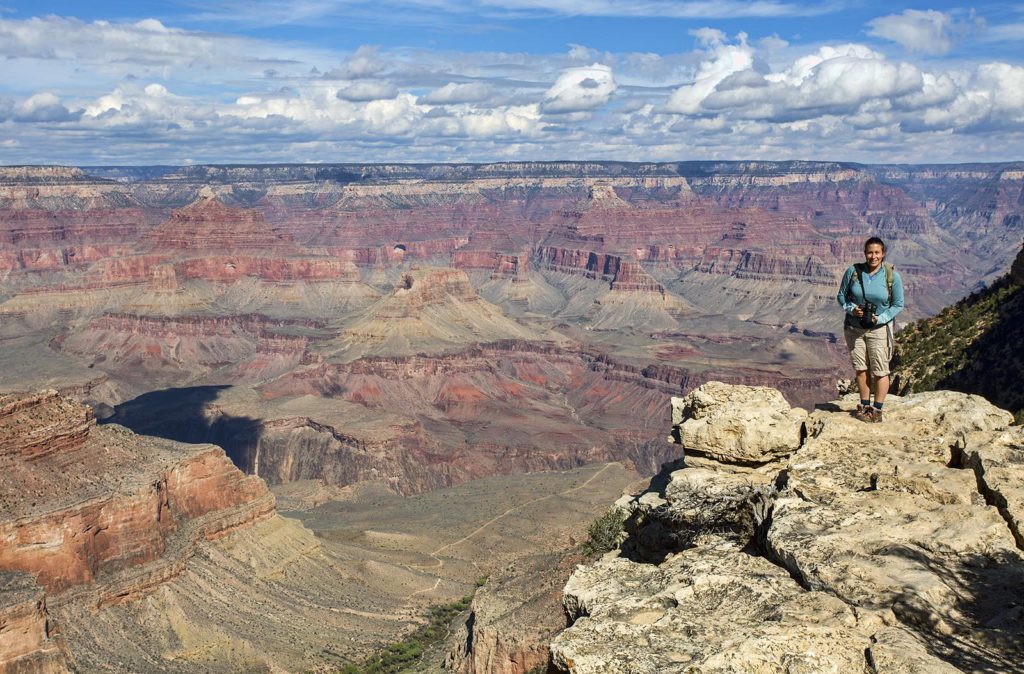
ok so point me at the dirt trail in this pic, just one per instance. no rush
(440, 562)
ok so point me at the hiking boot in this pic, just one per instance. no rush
(874, 415)
(863, 413)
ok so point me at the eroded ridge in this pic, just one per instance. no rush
(817, 544)
(81, 502)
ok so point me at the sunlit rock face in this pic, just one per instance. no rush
(129, 553)
(892, 547)
(82, 502)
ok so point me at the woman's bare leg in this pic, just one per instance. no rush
(881, 388)
(862, 384)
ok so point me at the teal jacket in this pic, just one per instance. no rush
(850, 296)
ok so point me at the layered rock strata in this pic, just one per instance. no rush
(28, 644)
(890, 547)
(135, 555)
(82, 503)
(513, 618)
(99, 516)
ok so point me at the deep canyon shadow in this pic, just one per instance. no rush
(190, 414)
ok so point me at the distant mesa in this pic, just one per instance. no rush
(429, 309)
(208, 224)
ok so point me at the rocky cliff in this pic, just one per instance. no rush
(786, 542)
(83, 503)
(28, 641)
(126, 553)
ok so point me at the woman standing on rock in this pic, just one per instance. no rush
(871, 293)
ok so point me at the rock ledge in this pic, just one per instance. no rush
(881, 548)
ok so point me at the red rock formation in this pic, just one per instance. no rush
(630, 276)
(622, 275)
(227, 268)
(580, 262)
(765, 265)
(27, 642)
(129, 344)
(38, 425)
(100, 504)
(210, 225)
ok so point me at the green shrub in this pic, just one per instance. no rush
(603, 534)
(405, 656)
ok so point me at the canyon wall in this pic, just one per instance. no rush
(648, 277)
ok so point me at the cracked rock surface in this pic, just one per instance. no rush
(878, 548)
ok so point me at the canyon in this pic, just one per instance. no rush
(132, 553)
(218, 336)
(588, 286)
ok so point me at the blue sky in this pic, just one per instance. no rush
(179, 81)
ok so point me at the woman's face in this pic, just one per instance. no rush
(874, 255)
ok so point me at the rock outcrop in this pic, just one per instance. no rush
(81, 503)
(892, 547)
(737, 425)
(28, 644)
(513, 618)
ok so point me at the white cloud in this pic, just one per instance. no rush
(365, 62)
(54, 37)
(453, 93)
(925, 31)
(367, 91)
(845, 81)
(708, 36)
(44, 107)
(99, 92)
(935, 90)
(724, 61)
(580, 89)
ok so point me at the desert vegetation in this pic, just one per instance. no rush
(971, 346)
(405, 655)
(604, 533)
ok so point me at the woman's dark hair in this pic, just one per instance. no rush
(873, 240)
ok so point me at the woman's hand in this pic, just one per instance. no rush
(858, 312)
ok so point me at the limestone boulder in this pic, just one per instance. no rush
(882, 516)
(737, 424)
(715, 609)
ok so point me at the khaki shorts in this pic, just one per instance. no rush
(870, 349)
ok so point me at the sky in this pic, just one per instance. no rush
(234, 81)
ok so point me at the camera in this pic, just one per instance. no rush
(869, 311)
